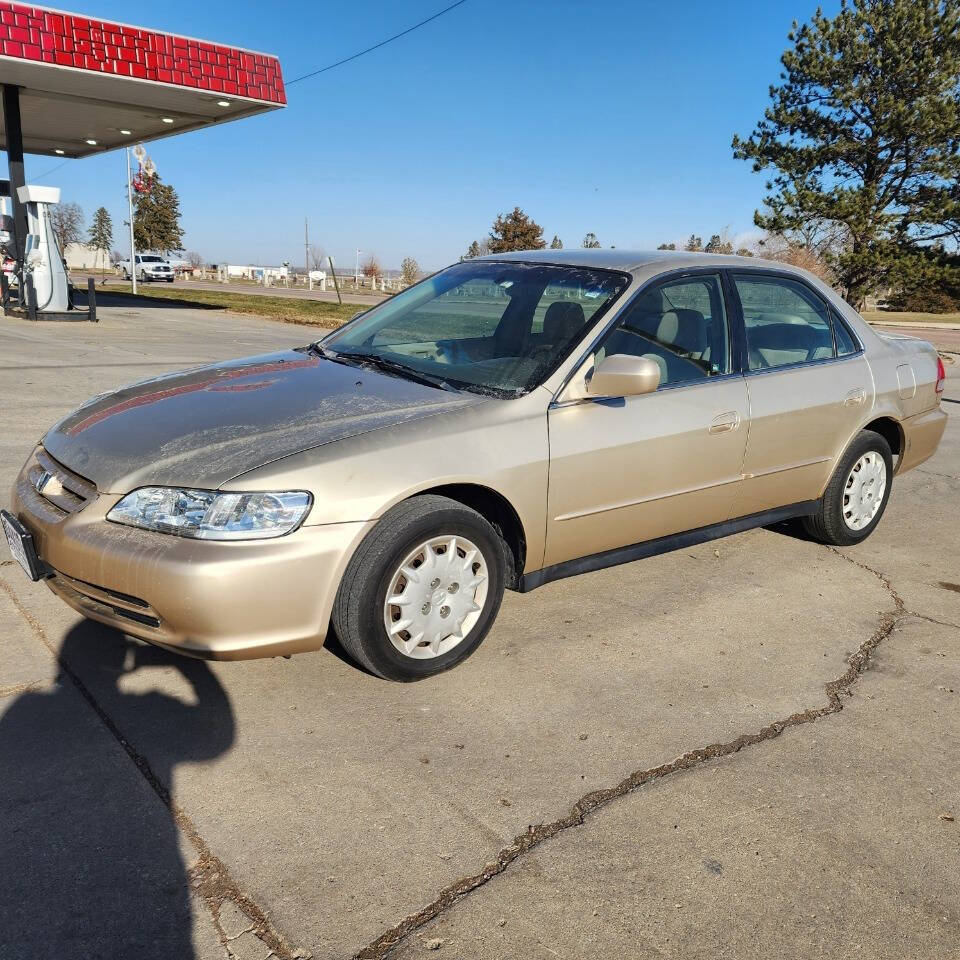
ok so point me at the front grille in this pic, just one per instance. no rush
(63, 488)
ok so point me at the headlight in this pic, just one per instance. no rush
(209, 515)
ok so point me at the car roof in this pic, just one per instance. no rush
(637, 261)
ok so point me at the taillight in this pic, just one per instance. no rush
(941, 375)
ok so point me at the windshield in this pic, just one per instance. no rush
(482, 325)
(151, 260)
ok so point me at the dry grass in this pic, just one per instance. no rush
(289, 309)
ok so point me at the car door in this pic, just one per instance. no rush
(629, 469)
(808, 384)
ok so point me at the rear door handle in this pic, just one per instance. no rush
(855, 397)
(725, 422)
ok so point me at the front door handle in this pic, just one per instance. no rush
(855, 397)
(725, 422)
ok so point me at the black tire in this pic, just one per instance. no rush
(828, 524)
(358, 611)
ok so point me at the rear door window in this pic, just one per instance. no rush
(786, 323)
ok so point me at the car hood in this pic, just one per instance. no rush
(205, 426)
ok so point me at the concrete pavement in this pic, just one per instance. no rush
(530, 803)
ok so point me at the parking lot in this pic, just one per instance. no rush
(748, 748)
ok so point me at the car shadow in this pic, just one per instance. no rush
(792, 528)
(144, 301)
(91, 853)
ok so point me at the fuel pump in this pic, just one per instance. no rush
(42, 259)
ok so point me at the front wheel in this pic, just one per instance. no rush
(422, 590)
(857, 493)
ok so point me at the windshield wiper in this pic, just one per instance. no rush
(394, 367)
(326, 352)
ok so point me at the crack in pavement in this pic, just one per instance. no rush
(25, 687)
(209, 878)
(935, 473)
(591, 802)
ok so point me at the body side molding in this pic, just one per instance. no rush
(675, 541)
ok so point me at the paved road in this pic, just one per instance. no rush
(158, 807)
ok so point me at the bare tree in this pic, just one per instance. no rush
(317, 257)
(194, 259)
(811, 247)
(409, 271)
(371, 268)
(67, 221)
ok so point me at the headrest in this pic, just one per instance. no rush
(685, 329)
(563, 321)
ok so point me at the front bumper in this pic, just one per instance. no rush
(216, 600)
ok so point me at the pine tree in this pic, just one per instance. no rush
(863, 134)
(515, 231)
(590, 242)
(101, 233)
(718, 244)
(667, 246)
(694, 244)
(156, 218)
(556, 243)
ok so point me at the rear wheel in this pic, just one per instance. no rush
(857, 494)
(422, 590)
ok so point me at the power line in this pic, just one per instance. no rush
(46, 173)
(376, 46)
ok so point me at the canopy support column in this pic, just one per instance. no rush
(14, 132)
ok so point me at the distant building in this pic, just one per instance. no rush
(80, 256)
(231, 271)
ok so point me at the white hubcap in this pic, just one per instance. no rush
(435, 597)
(864, 491)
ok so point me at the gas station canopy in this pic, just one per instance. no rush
(87, 86)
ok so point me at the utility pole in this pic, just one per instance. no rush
(133, 257)
(306, 251)
(356, 273)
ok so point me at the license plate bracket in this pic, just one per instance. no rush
(20, 542)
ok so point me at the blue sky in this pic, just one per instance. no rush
(611, 116)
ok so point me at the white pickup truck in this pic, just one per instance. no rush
(149, 267)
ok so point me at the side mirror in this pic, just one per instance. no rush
(622, 375)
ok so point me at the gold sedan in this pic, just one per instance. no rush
(508, 421)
